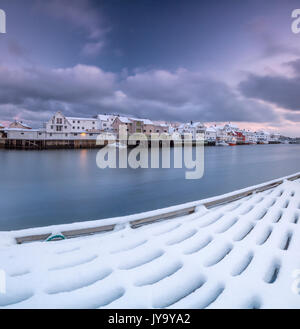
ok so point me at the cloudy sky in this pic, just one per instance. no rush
(179, 60)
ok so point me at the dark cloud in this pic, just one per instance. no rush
(279, 90)
(186, 94)
(88, 90)
(295, 117)
(77, 84)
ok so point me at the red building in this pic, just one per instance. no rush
(240, 138)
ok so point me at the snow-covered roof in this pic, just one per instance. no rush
(239, 255)
(80, 119)
(24, 130)
(197, 124)
(147, 122)
(21, 124)
(124, 119)
(211, 129)
(105, 117)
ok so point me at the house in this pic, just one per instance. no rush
(105, 122)
(192, 128)
(221, 133)
(1, 127)
(19, 125)
(263, 137)
(250, 137)
(274, 138)
(122, 121)
(61, 124)
(149, 127)
(240, 137)
(210, 135)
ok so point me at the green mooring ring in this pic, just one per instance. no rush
(56, 236)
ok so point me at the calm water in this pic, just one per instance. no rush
(39, 188)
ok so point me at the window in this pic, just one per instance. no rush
(73, 121)
(73, 127)
(40, 134)
(78, 121)
(93, 122)
(22, 133)
(66, 135)
(51, 127)
(58, 128)
(59, 121)
(75, 134)
(50, 135)
(66, 127)
(78, 127)
(82, 128)
(91, 134)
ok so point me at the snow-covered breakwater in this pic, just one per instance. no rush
(243, 254)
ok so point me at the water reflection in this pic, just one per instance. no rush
(39, 188)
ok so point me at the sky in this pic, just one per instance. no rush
(171, 60)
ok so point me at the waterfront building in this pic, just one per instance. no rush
(263, 137)
(274, 138)
(135, 125)
(150, 127)
(210, 135)
(19, 125)
(221, 134)
(192, 128)
(250, 137)
(105, 122)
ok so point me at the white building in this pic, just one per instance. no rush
(263, 137)
(210, 135)
(250, 137)
(221, 133)
(61, 124)
(106, 121)
(274, 138)
(192, 128)
(19, 124)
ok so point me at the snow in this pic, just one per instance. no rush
(80, 119)
(238, 255)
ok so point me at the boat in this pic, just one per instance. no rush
(232, 141)
(221, 143)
